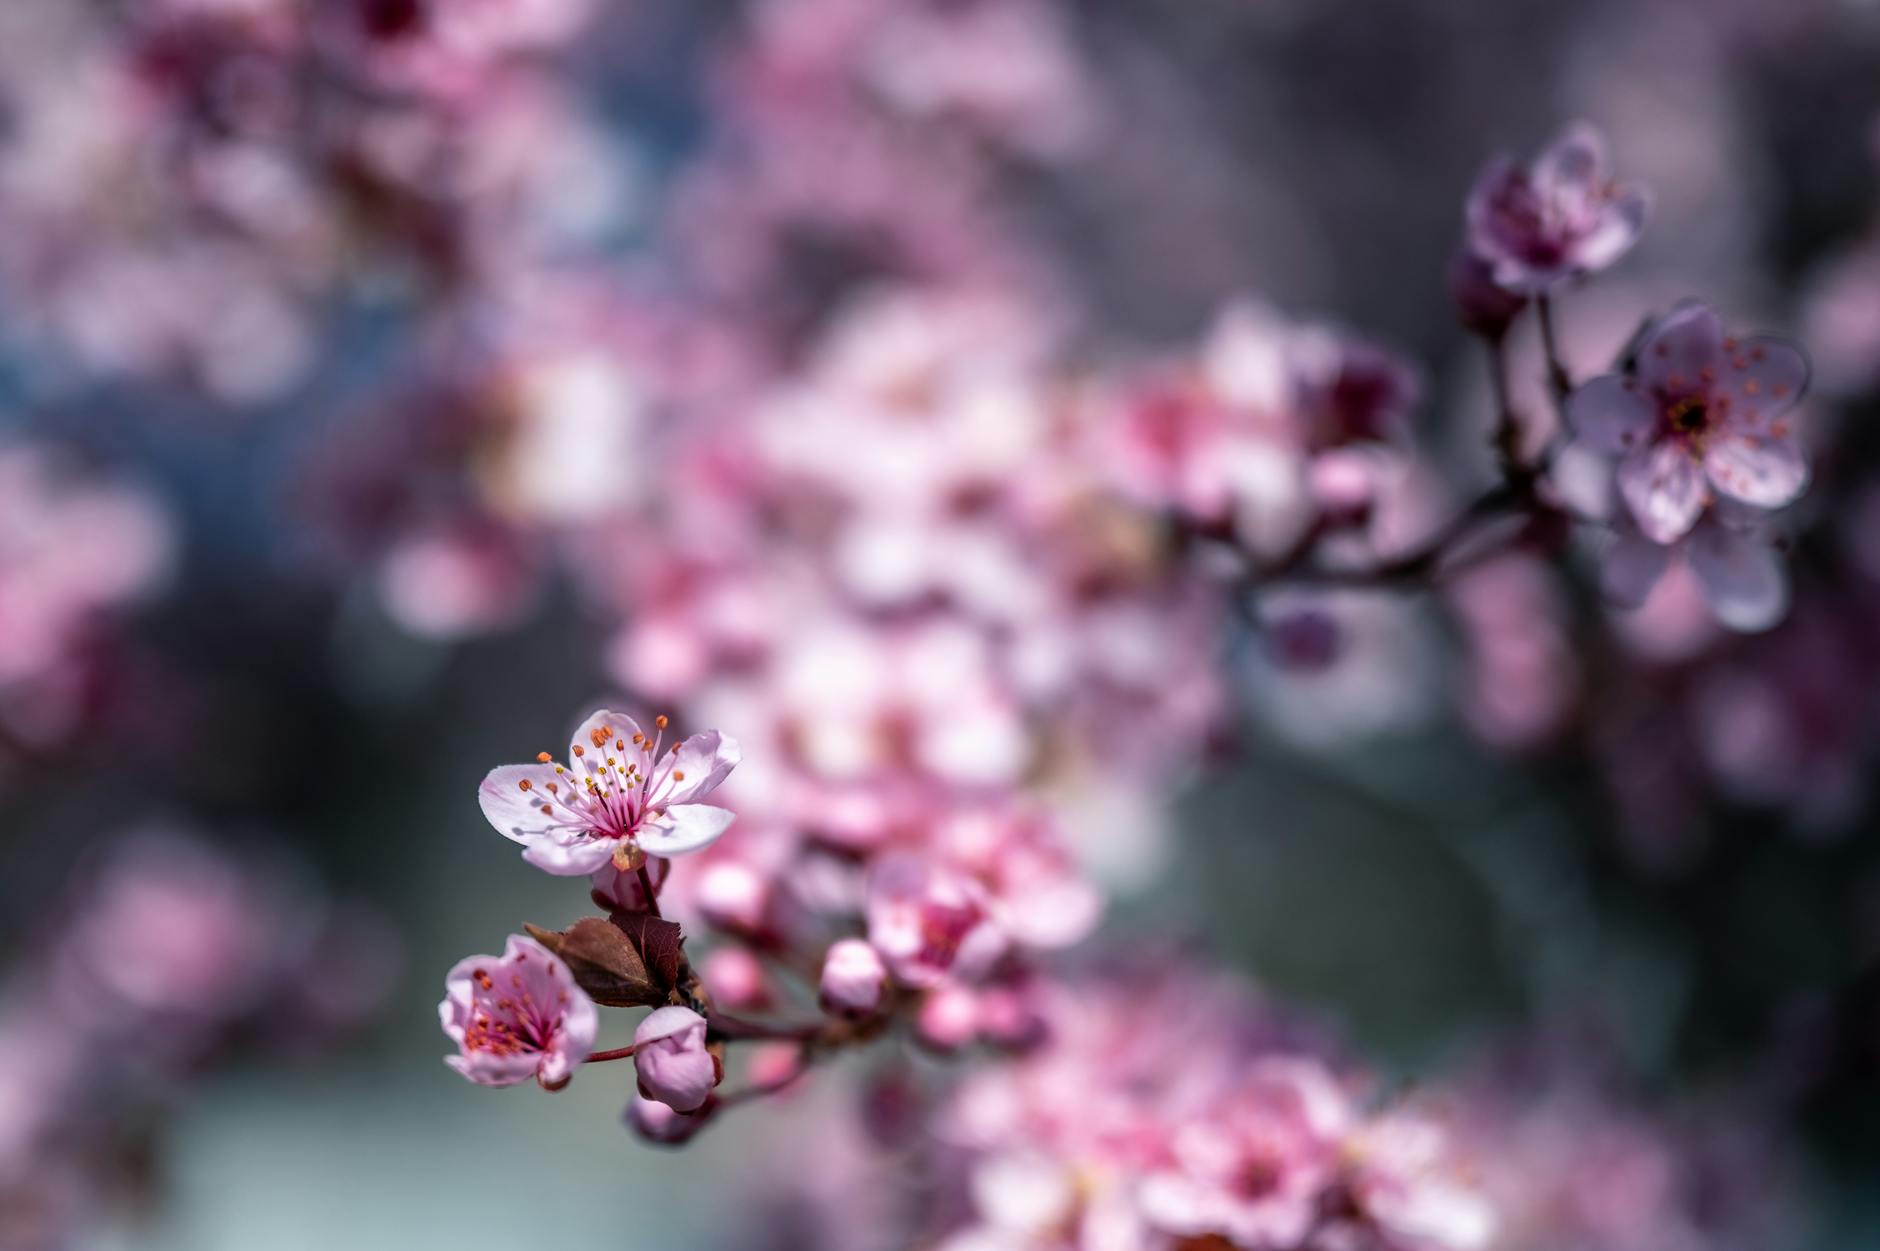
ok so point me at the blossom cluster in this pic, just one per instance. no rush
(834, 451)
(75, 548)
(171, 956)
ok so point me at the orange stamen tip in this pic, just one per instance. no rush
(524, 785)
(678, 775)
(661, 721)
(542, 757)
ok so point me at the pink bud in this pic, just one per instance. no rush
(736, 979)
(774, 1065)
(1010, 1016)
(733, 897)
(655, 1122)
(619, 891)
(1343, 483)
(949, 1018)
(673, 1063)
(852, 979)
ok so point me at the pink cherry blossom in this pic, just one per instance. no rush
(1254, 1171)
(929, 923)
(1561, 217)
(1406, 1182)
(670, 1055)
(517, 1016)
(1702, 415)
(618, 795)
(853, 978)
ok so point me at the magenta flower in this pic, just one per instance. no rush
(517, 1017)
(1562, 216)
(853, 978)
(618, 795)
(1700, 415)
(674, 1066)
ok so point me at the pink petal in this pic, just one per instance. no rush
(1620, 225)
(1611, 414)
(705, 760)
(602, 734)
(1577, 160)
(1631, 568)
(1741, 577)
(1685, 342)
(1764, 472)
(1764, 377)
(685, 827)
(1664, 489)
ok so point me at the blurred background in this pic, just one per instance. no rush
(354, 359)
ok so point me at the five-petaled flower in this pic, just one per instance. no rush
(1563, 216)
(1700, 412)
(621, 794)
(517, 1017)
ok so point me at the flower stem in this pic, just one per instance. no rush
(618, 1053)
(1559, 381)
(646, 888)
(738, 1029)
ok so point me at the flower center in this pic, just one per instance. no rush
(1688, 416)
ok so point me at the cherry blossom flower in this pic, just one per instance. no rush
(929, 923)
(1702, 415)
(517, 1016)
(618, 797)
(670, 1055)
(1255, 1171)
(1559, 218)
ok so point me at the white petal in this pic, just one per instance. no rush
(603, 734)
(516, 811)
(1764, 472)
(1681, 346)
(1611, 414)
(1742, 577)
(1630, 569)
(684, 828)
(569, 855)
(705, 760)
(1664, 488)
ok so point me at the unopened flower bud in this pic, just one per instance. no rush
(736, 979)
(853, 977)
(1343, 483)
(1482, 305)
(948, 1018)
(657, 1123)
(673, 1063)
(733, 897)
(774, 1065)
